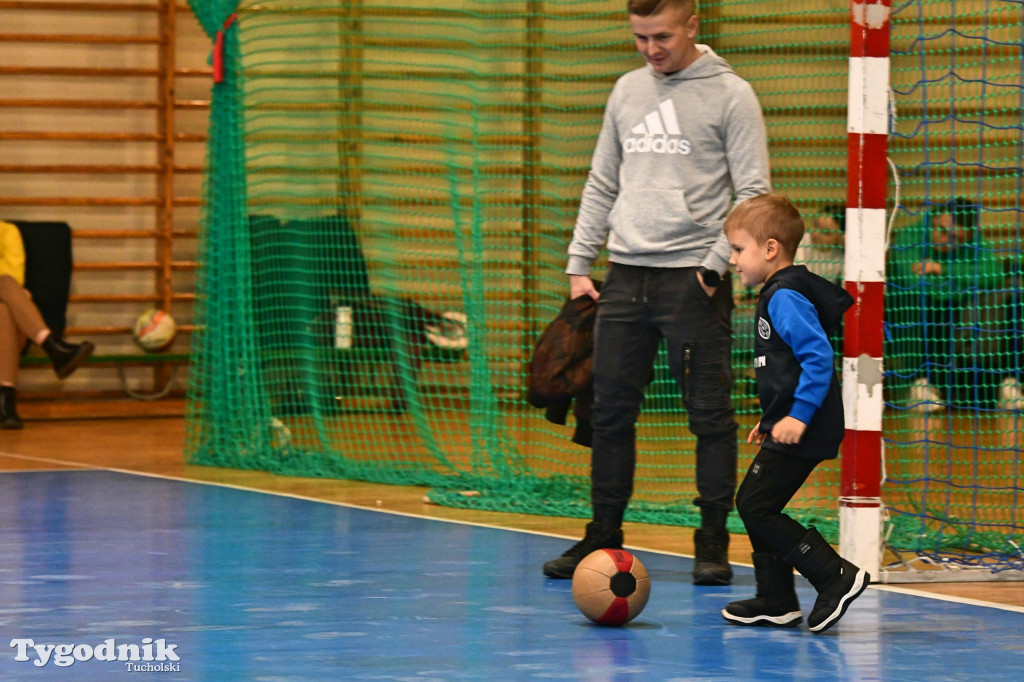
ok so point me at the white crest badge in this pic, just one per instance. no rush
(764, 330)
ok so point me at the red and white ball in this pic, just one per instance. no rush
(610, 586)
(155, 330)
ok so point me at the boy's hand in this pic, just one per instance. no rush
(788, 431)
(755, 435)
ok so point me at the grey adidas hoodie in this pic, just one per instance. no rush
(674, 154)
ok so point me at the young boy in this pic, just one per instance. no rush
(801, 422)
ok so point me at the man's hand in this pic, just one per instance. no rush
(788, 431)
(582, 285)
(929, 267)
(710, 291)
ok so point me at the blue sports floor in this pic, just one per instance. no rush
(246, 585)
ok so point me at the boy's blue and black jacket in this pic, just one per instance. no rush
(797, 311)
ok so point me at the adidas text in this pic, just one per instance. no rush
(656, 145)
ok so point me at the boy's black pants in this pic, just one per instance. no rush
(771, 482)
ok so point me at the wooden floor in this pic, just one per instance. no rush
(108, 439)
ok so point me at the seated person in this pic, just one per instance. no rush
(20, 321)
(937, 268)
(823, 251)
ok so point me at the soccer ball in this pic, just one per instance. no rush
(447, 337)
(610, 586)
(155, 330)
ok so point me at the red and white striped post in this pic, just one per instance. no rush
(860, 506)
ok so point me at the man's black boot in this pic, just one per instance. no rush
(598, 536)
(711, 557)
(66, 357)
(837, 581)
(9, 418)
(776, 602)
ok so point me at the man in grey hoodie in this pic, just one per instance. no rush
(683, 141)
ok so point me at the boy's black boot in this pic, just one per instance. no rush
(711, 557)
(837, 581)
(600, 535)
(9, 418)
(66, 357)
(776, 602)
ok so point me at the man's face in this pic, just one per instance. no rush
(826, 232)
(666, 39)
(946, 234)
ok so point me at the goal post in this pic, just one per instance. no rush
(864, 274)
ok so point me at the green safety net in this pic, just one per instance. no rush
(390, 191)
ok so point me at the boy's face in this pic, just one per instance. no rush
(751, 260)
(666, 39)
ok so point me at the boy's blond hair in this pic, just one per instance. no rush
(769, 216)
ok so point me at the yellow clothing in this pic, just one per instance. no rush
(12, 252)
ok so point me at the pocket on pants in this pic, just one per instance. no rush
(707, 376)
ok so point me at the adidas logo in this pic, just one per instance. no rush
(653, 135)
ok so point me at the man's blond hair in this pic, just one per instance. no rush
(647, 8)
(769, 216)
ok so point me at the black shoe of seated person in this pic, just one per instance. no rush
(66, 357)
(9, 419)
